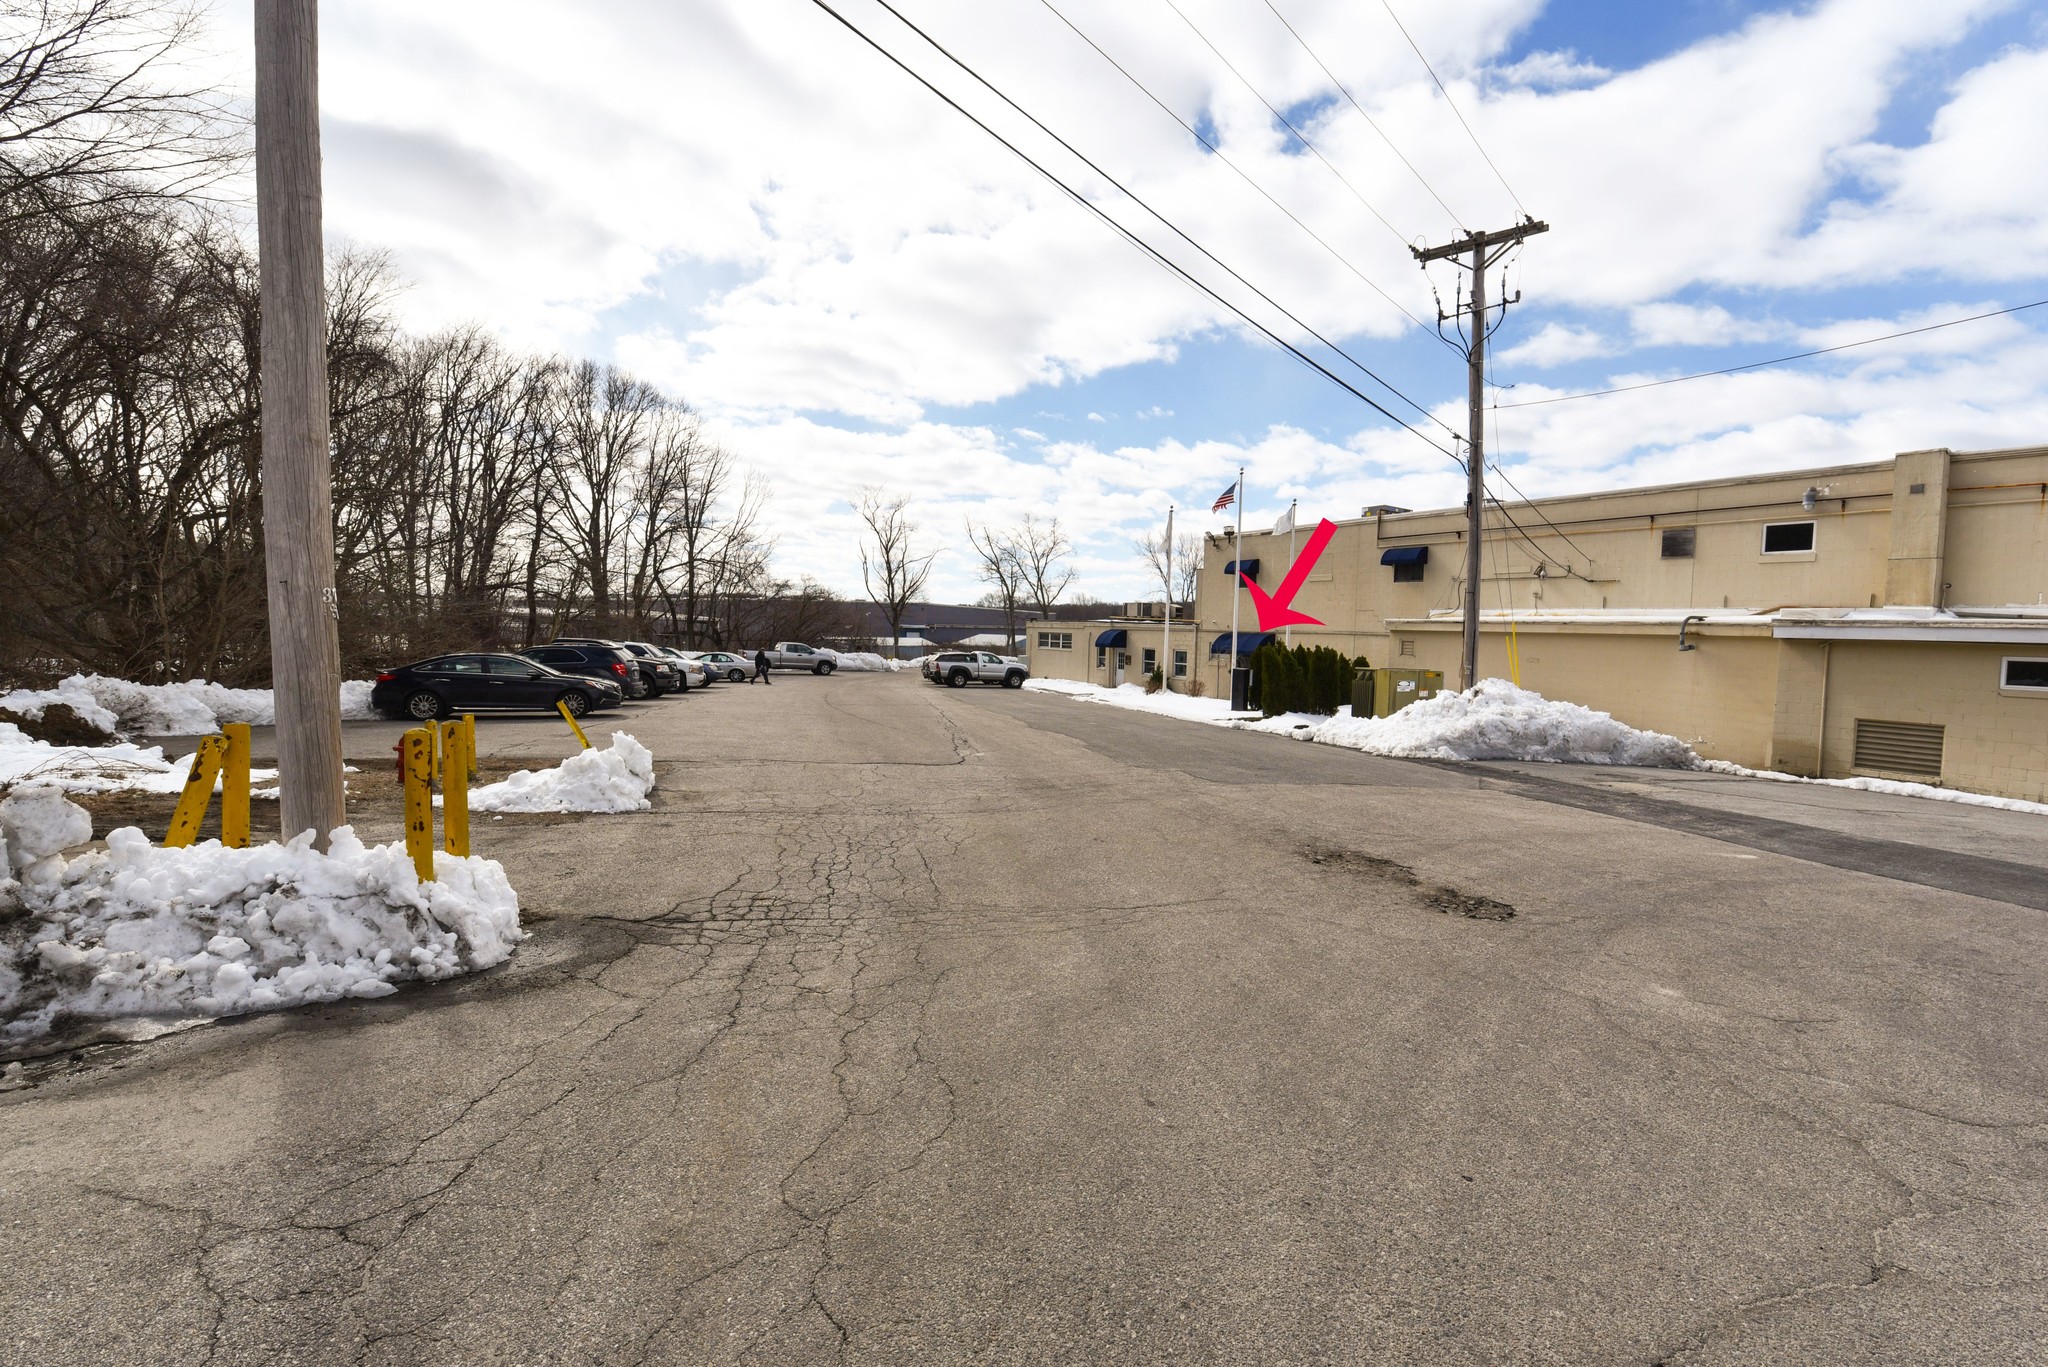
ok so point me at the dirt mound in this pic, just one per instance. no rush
(58, 725)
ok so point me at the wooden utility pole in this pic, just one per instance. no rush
(1485, 249)
(298, 518)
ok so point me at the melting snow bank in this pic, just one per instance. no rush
(1496, 721)
(136, 930)
(861, 659)
(1896, 787)
(179, 709)
(96, 768)
(617, 779)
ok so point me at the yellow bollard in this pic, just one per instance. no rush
(191, 809)
(234, 787)
(469, 742)
(454, 789)
(563, 708)
(419, 800)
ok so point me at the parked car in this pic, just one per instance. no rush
(667, 677)
(797, 655)
(733, 667)
(698, 672)
(595, 660)
(474, 683)
(956, 668)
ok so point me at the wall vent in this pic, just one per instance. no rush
(1899, 747)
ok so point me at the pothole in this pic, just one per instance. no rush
(1449, 901)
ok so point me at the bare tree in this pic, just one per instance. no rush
(892, 571)
(1001, 569)
(1176, 567)
(1041, 549)
(84, 117)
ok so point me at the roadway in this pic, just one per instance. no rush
(924, 1025)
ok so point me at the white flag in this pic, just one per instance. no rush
(1286, 522)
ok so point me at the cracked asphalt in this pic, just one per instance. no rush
(930, 1026)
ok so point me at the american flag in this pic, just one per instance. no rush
(1229, 497)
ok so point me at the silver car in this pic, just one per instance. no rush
(724, 663)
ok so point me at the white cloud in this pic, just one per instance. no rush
(1556, 344)
(1551, 71)
(1696, 325)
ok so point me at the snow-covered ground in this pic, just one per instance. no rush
(615, 779)
(137, 930)
(118, 767)
(1495, 721)
(179, 709)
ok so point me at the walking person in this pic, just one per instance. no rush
(761, 667)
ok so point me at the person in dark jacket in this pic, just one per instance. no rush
(761, 667)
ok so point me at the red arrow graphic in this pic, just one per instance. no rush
(1274, 610)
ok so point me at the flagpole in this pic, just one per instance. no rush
(1236, 592)
(1166, 634)
(1292, 521)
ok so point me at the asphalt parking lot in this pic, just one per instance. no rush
(929, 1026)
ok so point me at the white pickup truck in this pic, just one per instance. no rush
(797, 655)
(956, 668)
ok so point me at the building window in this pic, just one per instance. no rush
(2025, 676)
(1151, 661)
(1055, 640)
(1678, 542)
(1787, 538)
(1101, 656)
(1180, 664)
(1408, 646)
(1409, 574)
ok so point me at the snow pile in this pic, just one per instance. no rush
(179, 709)
(1496, 720)
(210, 931)
(119, 767)
(865, 660)
(613, 780)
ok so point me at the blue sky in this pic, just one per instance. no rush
(739, 200)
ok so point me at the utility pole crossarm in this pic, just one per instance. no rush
(1450, 251)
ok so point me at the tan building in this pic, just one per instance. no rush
(1888, 619)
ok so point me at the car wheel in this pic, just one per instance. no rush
(1013, 680)
(736, 675)
(683, 683)
(957, 679)
(425, 706)
(821, 668)
(577, 702)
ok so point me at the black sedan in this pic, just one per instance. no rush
(475, 683)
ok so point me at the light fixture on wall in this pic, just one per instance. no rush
(1809, 498)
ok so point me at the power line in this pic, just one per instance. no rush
(1243, 175)
(1299, 136)
(1369, 123)
(1169, 224)
(1777, 360)
(1130, 236)
(1384, 4)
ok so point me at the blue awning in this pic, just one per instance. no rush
(1247, 642)
(1250, 566)
(1117, 639)
(1405, 555)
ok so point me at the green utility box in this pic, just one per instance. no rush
(1383, 692)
